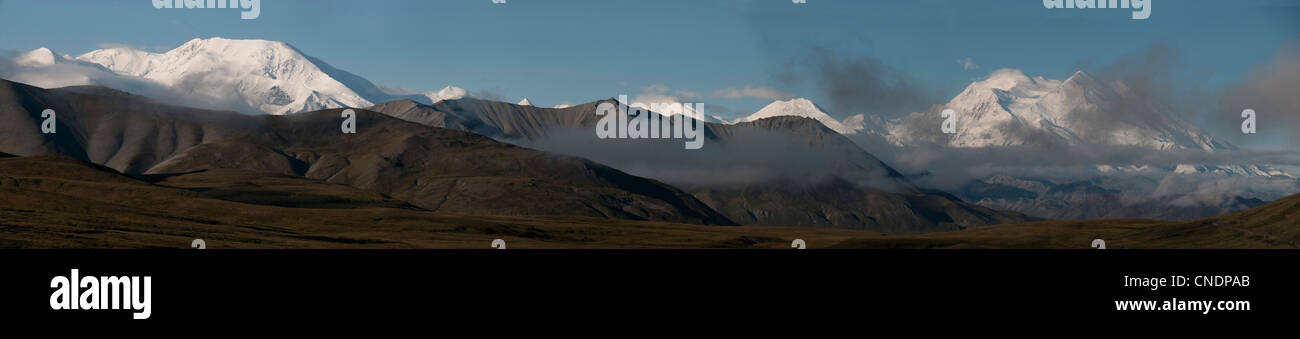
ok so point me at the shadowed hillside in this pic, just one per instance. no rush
(432, 168)
(789, 171)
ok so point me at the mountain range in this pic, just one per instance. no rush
(783, 161)
(435, 169)
(776, 171)
(800, 107)
(444, 163)
(1020, 118)
(1010, 108)
(249, 76)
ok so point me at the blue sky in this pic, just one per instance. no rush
(554, 51)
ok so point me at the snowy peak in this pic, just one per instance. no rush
(985, 106)
(250, 76)
(447, 93)
(1010, 108)
(670, 109)
(800, 107)
(793, 107)
(1003, 84)
(1003, 79)
(266, 76)
(525, 102)
(218, 52)
(1081, 79)
(1083, 89)
(125, 61)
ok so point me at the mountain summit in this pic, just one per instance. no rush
(1009, 108)
(251, 76)
(800, 107)
(267, 76)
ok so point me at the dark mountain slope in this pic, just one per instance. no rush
(777, 171)
(433, 168)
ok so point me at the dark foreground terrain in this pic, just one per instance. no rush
(58, 202)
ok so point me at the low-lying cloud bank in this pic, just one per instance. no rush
(950, 168)
(70, 72)
(747, 156)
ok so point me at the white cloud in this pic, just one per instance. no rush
(967, 64)
(65, 72)
(651, 98)
(448, 93)
(752, 92)
(660, 94)
(664, 90)
(656, 88)
(396, 90)
(647, 100)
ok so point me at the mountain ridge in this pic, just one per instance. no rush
(271, 77)
(801, 107)
(438, 169)
(827, 181)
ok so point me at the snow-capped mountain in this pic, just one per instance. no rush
(1090, 116)
(268, 76)
(251, 76)
(447, 93)
(671, 109)
(525, 102)
(801, 107)
(1010, 108)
